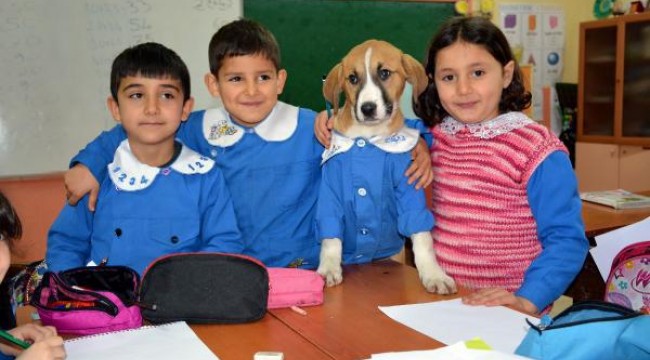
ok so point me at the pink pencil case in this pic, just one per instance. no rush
(294, 287)
(89, 300)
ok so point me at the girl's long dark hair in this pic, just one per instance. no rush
(478, 31)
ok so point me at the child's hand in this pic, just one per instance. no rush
(46, 344)
(323, 128)
(47, 349)
(497, 296)
(79, 181)
(420, 169)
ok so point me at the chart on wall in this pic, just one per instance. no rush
(536, 34)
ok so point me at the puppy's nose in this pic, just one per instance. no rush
(368, 108)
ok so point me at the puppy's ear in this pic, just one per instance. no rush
(415, 75)
(332, 87)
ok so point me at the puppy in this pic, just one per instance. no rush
(366, 207)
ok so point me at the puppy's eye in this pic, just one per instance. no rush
(353, 79)
(384, 74)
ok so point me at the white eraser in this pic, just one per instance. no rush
(268, 355)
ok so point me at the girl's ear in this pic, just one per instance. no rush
(212, 84)
(508, 71)
(114, 108)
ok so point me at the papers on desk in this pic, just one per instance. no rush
(169, 341)
(457, 351)
(451, 321)
(611, 243)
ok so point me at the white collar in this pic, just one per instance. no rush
(399, 142)
(220, 130)
(490, 128)
(129, 174)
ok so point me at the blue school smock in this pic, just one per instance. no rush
(365, 199)
(144, 212)
(271, 169)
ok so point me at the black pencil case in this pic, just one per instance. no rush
(208, 288)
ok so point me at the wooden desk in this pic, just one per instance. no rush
(600, 219)
(350, 326)
(242, 341)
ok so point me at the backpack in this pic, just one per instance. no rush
(628, 283)
(589, 330)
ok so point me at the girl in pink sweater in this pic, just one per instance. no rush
(505, 199)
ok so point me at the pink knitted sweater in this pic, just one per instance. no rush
(485, 234)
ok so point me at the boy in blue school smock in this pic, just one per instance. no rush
(160, 197)
(266, 148)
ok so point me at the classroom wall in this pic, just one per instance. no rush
(575, 12)
(38, 201)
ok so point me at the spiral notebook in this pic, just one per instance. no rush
(169, 341)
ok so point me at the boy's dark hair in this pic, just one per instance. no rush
(242, 37)
(150, 60)
(10, 226)
(477, 31)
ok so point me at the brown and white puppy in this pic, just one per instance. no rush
(372, 77)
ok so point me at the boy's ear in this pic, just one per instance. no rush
(212, 85)
(508, 71)
(114, 108)
(187, 108)
(282, 79)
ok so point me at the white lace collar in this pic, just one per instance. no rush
(129, 174)
(487, 129)
(399, 142)
(220, 130)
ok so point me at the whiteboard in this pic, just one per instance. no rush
(55, 58)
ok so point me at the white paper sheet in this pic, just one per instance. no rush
(457, 351)
(169, 341)
(451, 321)
(609, 244)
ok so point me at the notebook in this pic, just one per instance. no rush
(169, 341)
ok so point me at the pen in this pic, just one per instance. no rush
(328, 106)
(12, 341)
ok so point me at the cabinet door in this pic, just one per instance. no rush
(634, 168)
(636, 80)
(597, 166)
(598, 79)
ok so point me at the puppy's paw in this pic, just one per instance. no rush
(436, 281)
(332, 273)
(330, 261)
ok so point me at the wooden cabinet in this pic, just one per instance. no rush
(614, 81)
(612, 166)
(613, 132)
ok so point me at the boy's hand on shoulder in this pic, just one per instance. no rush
(323, 128)
(79, 181)
(420, 169)
(498, 296)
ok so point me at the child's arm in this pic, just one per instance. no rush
(557, 208)
(88, 167)
(323, 128)
(68, 241)
(218, 222)
(420, 170)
